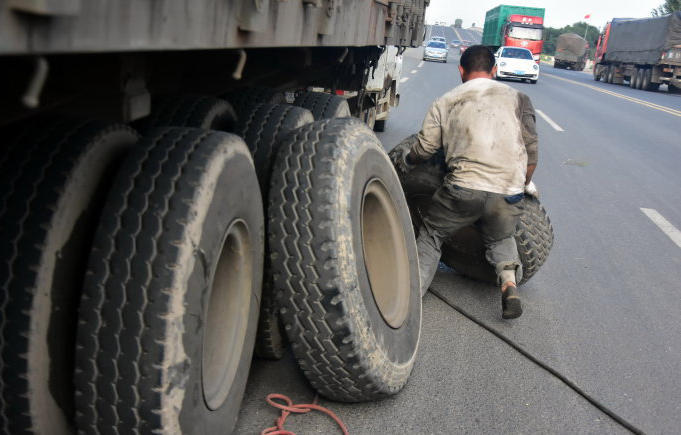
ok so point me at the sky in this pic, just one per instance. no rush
(559, 13)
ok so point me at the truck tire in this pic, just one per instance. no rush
(639, 78)
(632, 79)
(597, 73)
(197, 111)
(170, 302)
(56, 178)
(610, 78)
(645, 80)
(465, 251)
(324, 106)
(242, 99)
(262, 126)
(344, 261)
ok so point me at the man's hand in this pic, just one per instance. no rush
(531, 189)
(402, 162)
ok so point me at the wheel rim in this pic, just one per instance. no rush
(227, 315)
(385, 254)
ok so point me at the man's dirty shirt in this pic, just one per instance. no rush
(488, 132)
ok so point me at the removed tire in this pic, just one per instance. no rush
(344, 261)
(465, 251)
(55, 180)
(170, 305)
(262, 127)
(324, 106)
(197, 111)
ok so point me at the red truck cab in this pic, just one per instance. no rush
(602, 44)
(525, 31)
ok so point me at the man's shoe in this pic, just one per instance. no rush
(510, 303)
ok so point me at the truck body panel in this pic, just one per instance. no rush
(98, 26)
(571, 51)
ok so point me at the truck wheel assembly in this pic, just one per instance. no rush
(56, 173)
(465, 251)
(190, 111)
(169, 309)
(262, 126)
(344, 261)
(243, 99)
(324, 106)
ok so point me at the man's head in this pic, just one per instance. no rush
(477, 62)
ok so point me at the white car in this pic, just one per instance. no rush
(516, 63)
(436, 50)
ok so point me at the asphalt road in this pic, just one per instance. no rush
(603, 313)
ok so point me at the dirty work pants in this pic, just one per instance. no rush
(452, 208)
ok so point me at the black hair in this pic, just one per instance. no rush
(477, 58)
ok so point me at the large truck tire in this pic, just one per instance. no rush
(262, 126)
(344, 261)
(197, 111)
(597, 73)
(465, 251)
(169, 310)
(55, 176)
(243, 99)
(610, 78)
(324, 106)
(639, 78)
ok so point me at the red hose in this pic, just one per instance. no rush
(289, 408)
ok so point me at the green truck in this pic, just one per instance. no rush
(516, 26)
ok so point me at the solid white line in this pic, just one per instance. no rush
(414, 71)
(666, 227)
(404, 79)
(420, 64)
(549, 120)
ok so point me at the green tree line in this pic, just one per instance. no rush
(667, 7)
(551, 35)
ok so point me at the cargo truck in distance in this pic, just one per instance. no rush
(170, 185)
(514, 26)
(571, 52)
(645, 53)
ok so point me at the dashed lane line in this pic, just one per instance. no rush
(414, 71)
(404, 79)
(670, 230)
(618, 95)
(420, 64)
(550, 121)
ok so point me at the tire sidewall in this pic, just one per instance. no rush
(233, 201)
(400, 344)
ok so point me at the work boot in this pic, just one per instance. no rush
(510, 302)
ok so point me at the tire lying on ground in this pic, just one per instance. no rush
(55, 179)
(262, 126)
(465, 251)
(169, 312)
(324, 106)
(344, 260)
(198, 111)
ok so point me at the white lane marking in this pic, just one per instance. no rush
(420, 64)
(404, 79)
(666, 227)
(549, 120)
(414, 71)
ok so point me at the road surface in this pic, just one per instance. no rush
(600, 338)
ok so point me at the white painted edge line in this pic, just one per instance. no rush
(420, 64)
(414, 71)
(670, 230)
(404, 79)
(549, 120)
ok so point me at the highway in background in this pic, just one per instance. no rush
(602, 314)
